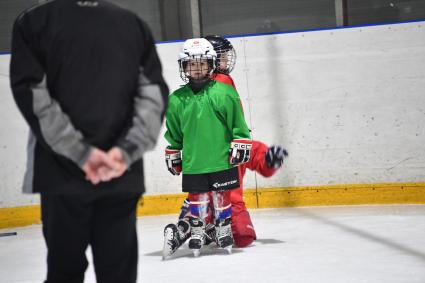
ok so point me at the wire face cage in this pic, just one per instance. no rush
(226, 60)
(196, 67)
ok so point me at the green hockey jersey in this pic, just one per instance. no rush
(203, 125)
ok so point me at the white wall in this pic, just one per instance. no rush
(348, 104)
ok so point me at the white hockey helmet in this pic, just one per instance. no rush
(196, 49)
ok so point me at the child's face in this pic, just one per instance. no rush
(197, 68)
(223, 59)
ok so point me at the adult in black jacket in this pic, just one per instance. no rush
(87, 79)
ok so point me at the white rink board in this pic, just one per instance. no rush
(347, 104)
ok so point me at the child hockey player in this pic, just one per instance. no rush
(264, 160)
(204, 119)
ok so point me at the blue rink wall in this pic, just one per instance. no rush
(348, 104)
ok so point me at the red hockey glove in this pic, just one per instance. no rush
(173, 160)
(275, 156)
(240, 151)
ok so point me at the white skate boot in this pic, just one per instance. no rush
(224, 235)
(197, 237)
(174, 237)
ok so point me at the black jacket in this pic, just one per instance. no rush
(84, 74)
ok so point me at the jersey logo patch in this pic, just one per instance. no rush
(218, 185)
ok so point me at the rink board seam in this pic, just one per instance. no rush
(350, 194)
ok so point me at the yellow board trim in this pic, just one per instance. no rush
(19, 216)
(350, 194)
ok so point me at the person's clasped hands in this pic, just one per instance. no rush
(103, 166)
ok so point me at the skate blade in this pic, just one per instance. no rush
(165, 257)
(228, 249)
(166, 254)
(196, 253)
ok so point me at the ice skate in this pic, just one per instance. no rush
(174, 237)
(197, 238)
(224, 236)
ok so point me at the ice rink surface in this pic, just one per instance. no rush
(310, 244)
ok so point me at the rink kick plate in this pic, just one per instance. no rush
(395, 193)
